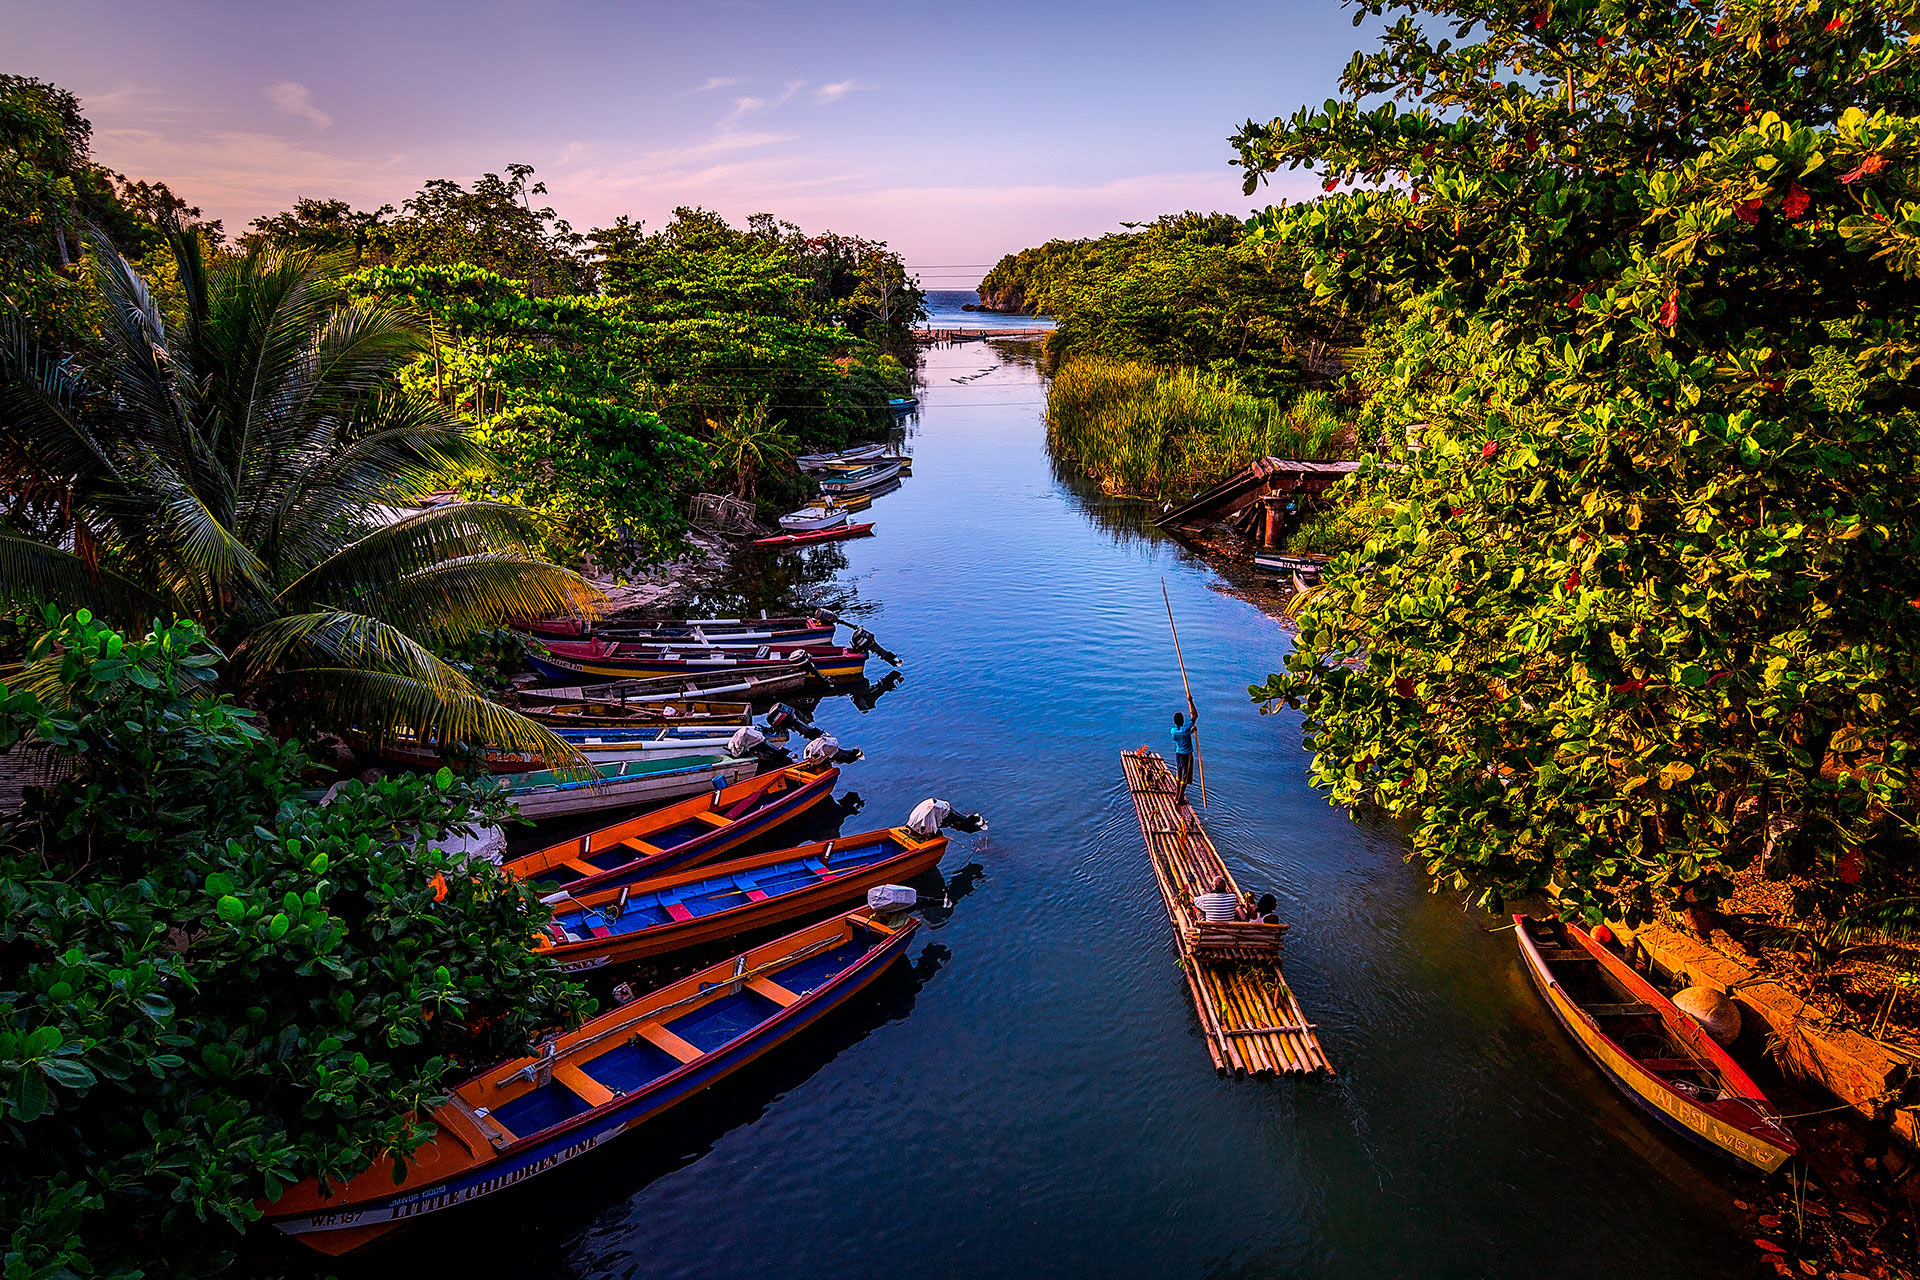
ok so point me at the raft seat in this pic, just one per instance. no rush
(589, 1090)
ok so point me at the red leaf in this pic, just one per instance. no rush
(1748, 212)
(1796, 202)
(1490, 449)
(1718, 27)
(1404, 687)
(1873, 163)
(1454, 511)
(1849, 868)
(1573, 580)
(1771, 1221)
(1330, 184)
(1670, 310)
(1836, 22)
(1541, 16)
(1769, 1246)
(1630, 686)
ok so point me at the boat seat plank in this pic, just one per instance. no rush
(1630, 1010)
(583, 867)
(773, 991)
(709, 816)
(665, 1040)
(640, 846)
(591, 1091)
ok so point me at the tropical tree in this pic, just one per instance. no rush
(1642, 611)
(745, 447)
(250, 463)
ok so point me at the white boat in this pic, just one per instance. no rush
(807, 519)
(546, 794)
(859, 454)
(870, 477)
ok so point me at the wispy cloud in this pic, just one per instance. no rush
(292, 97)
(717, 82)
(835, 91)
(792, 87)
(742, 108)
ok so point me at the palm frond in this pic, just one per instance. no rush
(40, 402)
(368, 567)
(384, 707)
(455, 598)
(32, 572)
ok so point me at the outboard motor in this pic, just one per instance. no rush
(931, 817)
(826, 749)
(749, 743)
(784, 719)
(863, 640)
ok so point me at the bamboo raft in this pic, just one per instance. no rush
(1252, 1021)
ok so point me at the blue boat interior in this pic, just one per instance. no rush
(690, 901)
(636, 1062)
(680, 838)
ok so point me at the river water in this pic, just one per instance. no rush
(1031, 1096)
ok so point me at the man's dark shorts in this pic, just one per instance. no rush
(1183, 766)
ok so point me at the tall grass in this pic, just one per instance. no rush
(1155, 433)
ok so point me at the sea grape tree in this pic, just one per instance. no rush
(1638, 607)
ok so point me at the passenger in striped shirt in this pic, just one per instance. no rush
(1218, 904)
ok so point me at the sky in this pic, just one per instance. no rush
(956, 133)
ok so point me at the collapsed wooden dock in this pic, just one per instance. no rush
(1252, 1021)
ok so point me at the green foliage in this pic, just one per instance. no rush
(1146, 432)
(1643, 609)
(212, 987)
(248, 465)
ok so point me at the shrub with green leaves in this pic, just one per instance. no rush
(1643, 611)
(211, 985)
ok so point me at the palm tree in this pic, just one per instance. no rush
(256, 467)
(745, 448)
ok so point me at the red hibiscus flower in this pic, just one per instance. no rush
(1490, 449)
(1455, 511)
(1573, 581)
(1796, 202)
(1330, 184)
(1748, 212)
(1540, 17)
(1836, 22)
(1404, 687)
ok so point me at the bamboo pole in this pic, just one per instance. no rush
(1199, 761)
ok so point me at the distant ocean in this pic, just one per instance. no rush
(944, 312)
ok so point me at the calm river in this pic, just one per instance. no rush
(1032, 1097)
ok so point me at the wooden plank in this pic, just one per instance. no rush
(661, 1038)
(772, 991)
(591, 1091)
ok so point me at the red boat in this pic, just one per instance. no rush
(780, 541)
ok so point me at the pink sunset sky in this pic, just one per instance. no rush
(956, 133)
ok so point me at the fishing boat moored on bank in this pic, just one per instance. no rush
(705, 904)
(783, 541)
(810, 519)
(684, 630)
(1658, 1055)
(607, 663)
(863, 478)
(524, 1117)
(861, 454)
(695, 830)
(762, 682)
(613, 715)
(548, 793)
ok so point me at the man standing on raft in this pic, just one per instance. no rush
(1183, 727)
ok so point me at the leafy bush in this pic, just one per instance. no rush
(212, 986)
(1150, 432)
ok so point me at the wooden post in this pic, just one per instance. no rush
(1275, 530)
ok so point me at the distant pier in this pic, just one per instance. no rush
(967, 335)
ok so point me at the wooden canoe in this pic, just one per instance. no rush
(826, 664)
(612, 715)
(836, 482)
(523, 1117)
(599, 747)
(861, 454)
(549, 794)
(765, 682)
(782, 541)
(1660, 1057)
(722, 899)
(695, 830)
(680, 629)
